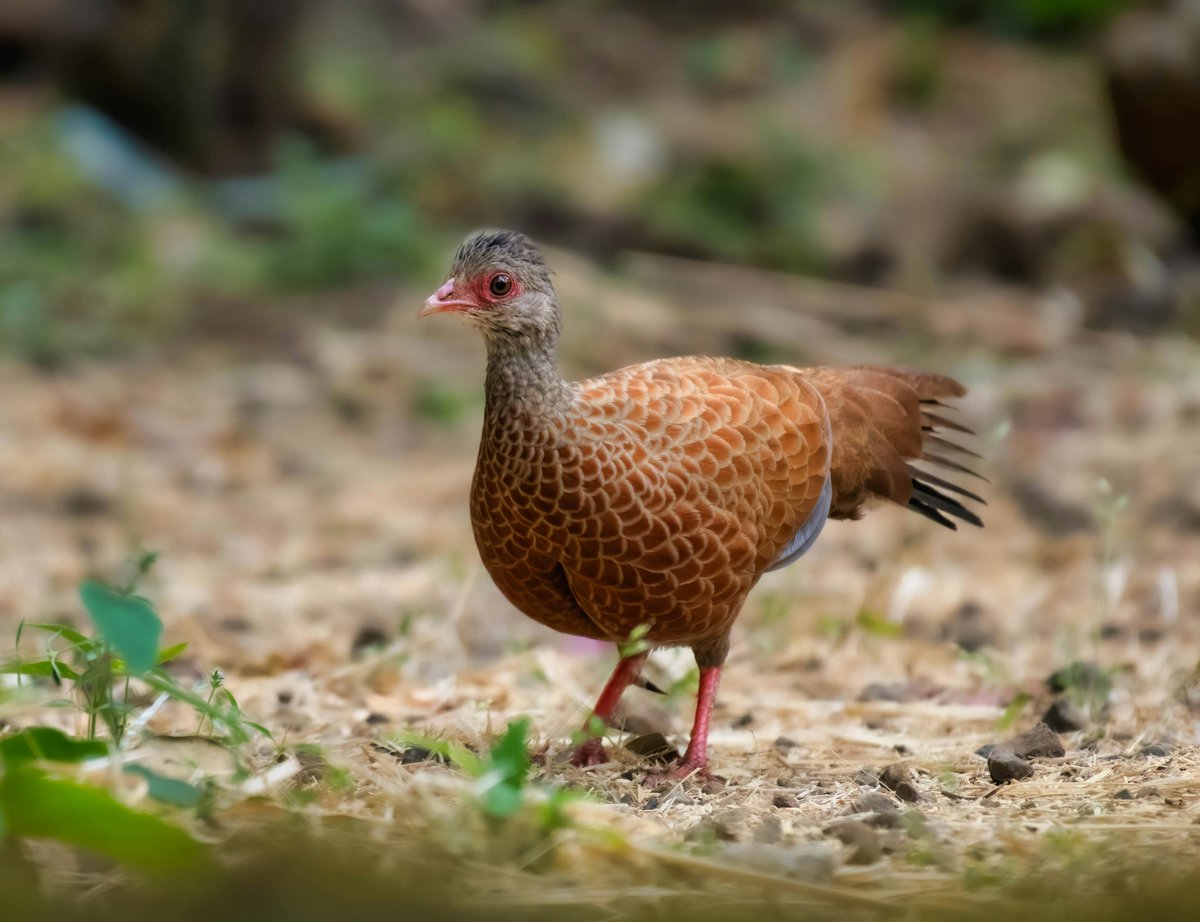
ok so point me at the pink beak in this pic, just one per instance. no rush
(443, 300)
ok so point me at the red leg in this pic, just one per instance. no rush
(695, 759)
(626, 673)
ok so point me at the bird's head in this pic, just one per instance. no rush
(499, 282)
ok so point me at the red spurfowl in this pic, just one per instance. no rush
(655, 497)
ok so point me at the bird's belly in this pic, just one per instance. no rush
(601, 547)
(518, 547)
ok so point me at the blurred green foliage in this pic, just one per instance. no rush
(73, 273)
(81, 273)
(1039, 19)
(501, 120)
(337, 226)
(757, 210)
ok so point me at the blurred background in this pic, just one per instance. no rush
(218, 219)
(174, 169)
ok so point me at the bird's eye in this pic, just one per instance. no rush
(500, 285)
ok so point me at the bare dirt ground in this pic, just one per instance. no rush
(308, 499)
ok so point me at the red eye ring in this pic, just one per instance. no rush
(500, 285)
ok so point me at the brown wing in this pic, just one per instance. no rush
(883, 419)
(683, 480)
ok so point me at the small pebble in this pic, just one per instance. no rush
(414, 754)
(1004, 765)
(1038, 742)
(84, 502)
(1161, 748)
(733, 824)
(369, 636)
(881, 810)
(713, 785)
(862, 839)
(970, 628)
(898, 778)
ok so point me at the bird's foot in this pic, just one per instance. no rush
(590, 753)
(683, 771)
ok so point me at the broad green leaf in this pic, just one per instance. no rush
(168, 790)
(507, 765)
(502, 799)
(38, 805)
(49, 744)
(128, 622)
(509, 756)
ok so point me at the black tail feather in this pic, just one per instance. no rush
(949, 446)
(930, 513)
(927, 495)
(934, 422)
(937, 481)
(942, 461)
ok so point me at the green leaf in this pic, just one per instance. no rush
(1014, 709)
(49, 744)
(38, 805)
(68, 633)
(875, 623)
(167, 654)
(128, 622)
(635, 643)
(45, 668)
(502, 799)
(168, 790)
(552, 814)
(507, 765)
(457, 753)
(509, 756)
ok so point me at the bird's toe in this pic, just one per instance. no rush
(590, 753)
